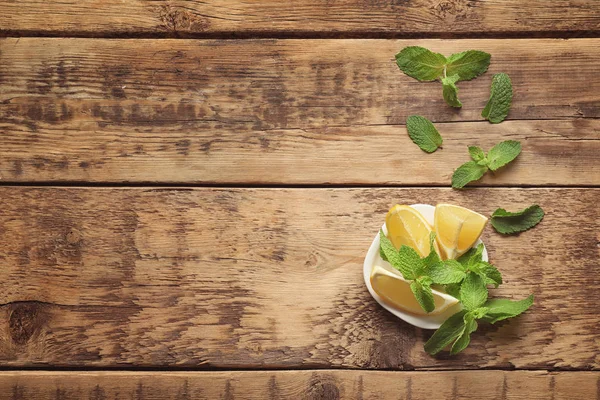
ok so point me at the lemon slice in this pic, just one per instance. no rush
(395, 291)
(407, 226)
(457, 229)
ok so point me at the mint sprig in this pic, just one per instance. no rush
(498, 156)
(423, 133)
(413, 268)
(473, 294)
(458, 328)
(425, 65)
(507, 223)
(500, 100)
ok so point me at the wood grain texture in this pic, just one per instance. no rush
(284, 112)
(264, 278)
(317, 385)
(178, 18)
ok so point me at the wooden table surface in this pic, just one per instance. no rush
(188, 190)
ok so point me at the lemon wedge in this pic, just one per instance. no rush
(395, 291)
(457, 229)
(407, 226)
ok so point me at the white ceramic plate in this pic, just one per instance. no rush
(373, 258)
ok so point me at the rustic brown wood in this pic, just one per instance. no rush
(303, 17)
(283, 112)
(318, 385)
(255, 278)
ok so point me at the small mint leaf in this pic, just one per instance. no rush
(506, 222)
(446, 272)
(500, 100)
(420, 63)
(473, 291)
(468, 64)
(468, 172)
(447, 333)
(477, 154)
(503, 153)
(422, 132)
(423, 294)
(500, 309)
(450, 91)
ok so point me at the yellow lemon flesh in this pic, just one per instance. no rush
(457, 229)
(395, 291)
(405, 225)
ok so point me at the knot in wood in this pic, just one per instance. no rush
(24, 322)
(73, 237)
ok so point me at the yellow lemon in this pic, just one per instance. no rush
(457, 229)
(405, 225)
(396, 292)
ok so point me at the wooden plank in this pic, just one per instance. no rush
(283, 111)
(305, 17)
(319, 384)
(257, 278)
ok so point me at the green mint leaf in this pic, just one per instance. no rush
(451, 329)
(506, 222)
(423, 295)
(471, 257)
(500, 99)
(503, 153)
(423, 133)
(477, 154)
(490, 274)
(446, 272)
(453, 290)
(433, 257)
(465, 338)
(468, 64)
(387, 250)
(473, 292)
(420, 63)
(468, 172)
(450, 91)
(410, 263)
(500, 309)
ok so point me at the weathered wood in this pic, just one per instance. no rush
(303, 17)
(281, 111)
(318, 385)
(252, 278)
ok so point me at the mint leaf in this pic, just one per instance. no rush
(423, 295)
(490, 274)
(473, 292)
(433, 257)
(499, 309)
(468, 172)
(410, 263)
(500, 100)
(387, 250)
(423, 133)
(446, 272)
(451, 329)
(476, 153)
(468, 64)
(506, 222)
(420, 63)
(465, 338)
(450, 91)
(472, 256)
(503, 153)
